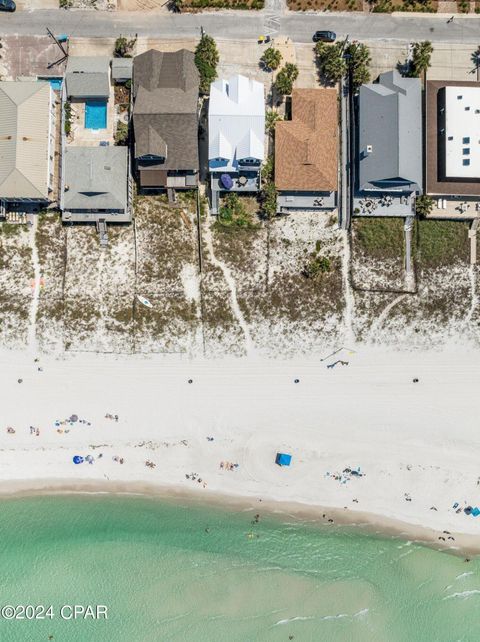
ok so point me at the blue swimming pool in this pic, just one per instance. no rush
(55, 83)
(95, 114)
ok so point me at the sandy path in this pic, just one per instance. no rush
(249, 347)
(32, 329)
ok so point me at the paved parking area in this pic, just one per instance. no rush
(30, 56)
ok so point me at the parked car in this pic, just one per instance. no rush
(7, 5)
(324, 36)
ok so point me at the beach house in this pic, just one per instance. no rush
(97, 185)
(453, 148)
(29, 121)
(165, 120)
(90, 98)
(236, 136)
(306, 152)
(389, 150)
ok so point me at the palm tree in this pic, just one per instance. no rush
(330, 61)
(271, 117)
(285, 79)
(421, 55)
(271, 59)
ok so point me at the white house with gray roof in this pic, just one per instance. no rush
(27, 143)
(236, 134)
(96, 185)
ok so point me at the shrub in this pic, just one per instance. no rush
(67, 109)
(121, 134)
(317, 265)
(232, 213)
(206, 59)
(268, 200)
(268, 169)
(424, 205)
(123, 48)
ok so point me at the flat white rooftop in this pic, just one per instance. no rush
(462, 132)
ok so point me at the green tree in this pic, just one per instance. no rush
(271, 117)
(330, 61)
(123, 47)
(271, 59)
(206, 59)
(424, 205)
(285, 79)
(358, 61)
(421, 56)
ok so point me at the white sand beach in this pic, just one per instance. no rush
(412, 441)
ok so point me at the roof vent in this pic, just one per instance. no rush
(369, 149)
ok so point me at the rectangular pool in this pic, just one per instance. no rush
(95, 114)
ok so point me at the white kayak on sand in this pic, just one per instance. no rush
(144, 301)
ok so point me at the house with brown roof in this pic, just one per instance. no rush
(306, 152)
(453, 148)
(165, 120)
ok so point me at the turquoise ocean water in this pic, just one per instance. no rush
(187, 573)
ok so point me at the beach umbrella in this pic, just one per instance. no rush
(77, 459)
(74, 418)
(226, 181)
(282, 459)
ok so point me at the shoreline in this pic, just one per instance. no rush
(365, 523)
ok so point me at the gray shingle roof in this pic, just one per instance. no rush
(122, 68)
(88, 76)
(96, 178)
(390, 132)
(165, 110)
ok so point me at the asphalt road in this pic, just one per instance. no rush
(244, 25)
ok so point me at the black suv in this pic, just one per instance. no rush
(324, 36)
(7, 5)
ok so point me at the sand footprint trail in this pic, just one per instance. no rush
(249, 348)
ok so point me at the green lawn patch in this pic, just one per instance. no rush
(442, 242)
(380, 238)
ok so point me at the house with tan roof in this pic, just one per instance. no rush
(306, 152)
(27, 144)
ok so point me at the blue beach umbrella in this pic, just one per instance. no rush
(77, 459)
(226, 180)
(283, 459)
